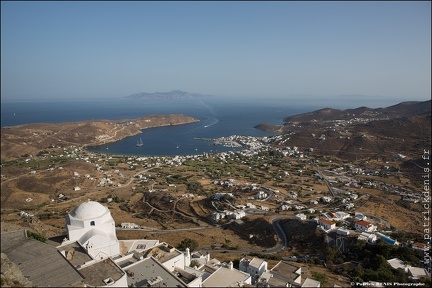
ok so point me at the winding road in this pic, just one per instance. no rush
(281, 244)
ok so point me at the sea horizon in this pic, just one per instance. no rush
(218, 117)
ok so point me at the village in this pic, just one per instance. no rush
(287, 184)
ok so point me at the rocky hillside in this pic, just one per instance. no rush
(33, 138)
(359, 133)
(11, 275)
(404, 109)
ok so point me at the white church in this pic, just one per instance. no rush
(92, 256)
(92, 248)
(91, 225)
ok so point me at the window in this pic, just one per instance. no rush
(92, 223)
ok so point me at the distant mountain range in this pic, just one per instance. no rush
(404, 109)
(174, 94)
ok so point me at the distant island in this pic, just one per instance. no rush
(174, 94)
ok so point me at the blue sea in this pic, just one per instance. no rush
(218, 117)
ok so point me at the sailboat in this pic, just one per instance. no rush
(140, 143)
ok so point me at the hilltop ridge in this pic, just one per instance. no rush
(361, 132)
(403, 109)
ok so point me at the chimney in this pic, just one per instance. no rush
(187, 258)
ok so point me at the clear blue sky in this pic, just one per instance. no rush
(277, 49)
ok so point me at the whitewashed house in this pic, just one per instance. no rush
(238, 214)
(326, 199)
(420, 246)
(250, 205)
(364, 226)
(261, 195)
(300, 216)
(255, 267)
(370, 238)
(309, 283)
(360, 216)
(326, 224)
(343, 232)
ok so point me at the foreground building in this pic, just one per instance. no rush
(92, 226)
(284, 274)
(255, 267)
(91, 255)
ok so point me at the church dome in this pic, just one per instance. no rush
(88, 210)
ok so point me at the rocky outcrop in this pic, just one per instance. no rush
(11, 275)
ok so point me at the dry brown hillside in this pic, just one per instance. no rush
(32, 138)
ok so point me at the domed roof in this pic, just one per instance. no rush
(88, 210)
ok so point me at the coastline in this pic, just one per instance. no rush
(31, 139)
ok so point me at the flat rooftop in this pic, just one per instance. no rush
(283, 273)
(95, 274)
(40, 263)
(225, 277)
(150, 273)
(75, 254)
(162, 252)
(140, 245)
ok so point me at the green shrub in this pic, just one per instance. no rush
(36, 236)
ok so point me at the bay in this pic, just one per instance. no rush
(218, 117)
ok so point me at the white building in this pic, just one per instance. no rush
(360, 216)
(311, 210)
(91, 225)
(285, 207)
(238, 214)
(342, 215)
(283, 274)
(261, 195)
(227, 277)
(343, 232)
(413, 272)
(250, 205)
(255, 267)
(91, 256)
(370, 238)
(396, 263)
(309, 283)
(417, 272)
(364, 226)
(326, 199)
(127, 225)
(300, 216)
(264, 208)
(199, 257)
(326, 224)
(420, 246)
(349, 206)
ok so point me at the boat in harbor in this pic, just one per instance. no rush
(140, 143)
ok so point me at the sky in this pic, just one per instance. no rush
(84, 49)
